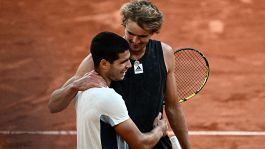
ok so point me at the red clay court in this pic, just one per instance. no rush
(43, 42)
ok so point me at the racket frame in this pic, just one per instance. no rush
(207, 73)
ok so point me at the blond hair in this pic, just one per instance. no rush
(144, 13)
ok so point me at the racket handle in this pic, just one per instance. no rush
(175, 142)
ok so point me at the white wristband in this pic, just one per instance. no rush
(175, 142)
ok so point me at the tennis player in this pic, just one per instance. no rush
(96, 105)
(148, 83)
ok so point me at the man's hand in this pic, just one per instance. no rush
(89, 80)
(162, 123)
(138, 140)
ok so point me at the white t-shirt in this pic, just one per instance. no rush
(93, 105)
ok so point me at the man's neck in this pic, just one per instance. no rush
(136, 55)
(107, 81)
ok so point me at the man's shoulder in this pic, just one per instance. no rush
(101, 92)
(109, 91)
(100, 96)
(166, 47)
(168, 54)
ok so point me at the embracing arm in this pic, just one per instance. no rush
(62, 97)
(172, 107)
(137, 140)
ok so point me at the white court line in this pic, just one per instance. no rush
(192, 133)
(224, 133)
(62, 132)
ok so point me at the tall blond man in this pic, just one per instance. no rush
(149, 81)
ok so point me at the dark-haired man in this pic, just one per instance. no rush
(146, 84)
(96, 105)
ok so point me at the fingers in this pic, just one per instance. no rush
(159, 115)
(98, 80)
(161, 122)
(89, 80)
(159, 119)
(155, 123)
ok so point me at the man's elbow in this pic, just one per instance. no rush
(52, 108)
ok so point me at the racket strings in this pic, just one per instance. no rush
(190, 72)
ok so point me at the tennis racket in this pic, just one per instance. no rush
(191, 72)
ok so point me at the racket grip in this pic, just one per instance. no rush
(175, 142)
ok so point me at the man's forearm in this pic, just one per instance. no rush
(138, 140)
(177, 122)
(62, 97)
(152, 138)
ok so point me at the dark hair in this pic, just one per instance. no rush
(107, 45)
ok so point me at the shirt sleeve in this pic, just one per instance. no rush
(115, 110)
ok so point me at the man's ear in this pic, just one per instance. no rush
(104, 64)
